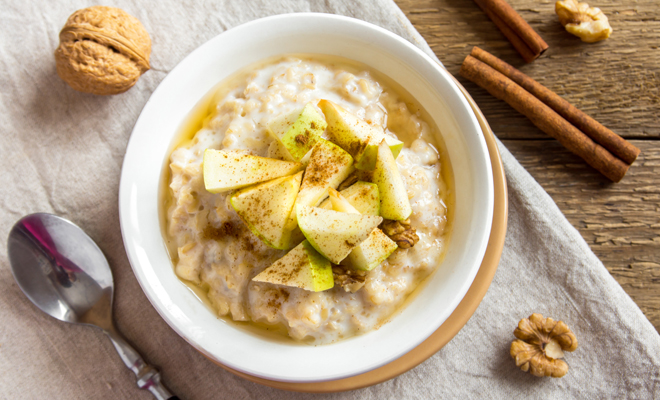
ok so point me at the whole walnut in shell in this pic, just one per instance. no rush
(103, 50)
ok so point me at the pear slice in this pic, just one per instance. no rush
(328, 166)
(361, 195)
(356, 136)
(373, 250)
(394, 203)
(265, 208)
(226, 170)
(299, 130)
(303, 267)
(334, 234)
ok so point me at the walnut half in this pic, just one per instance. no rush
(540, 345)
(401, 232)
(587, 23)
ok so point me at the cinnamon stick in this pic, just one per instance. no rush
(544, 118)
(592, 128)
(523, 38)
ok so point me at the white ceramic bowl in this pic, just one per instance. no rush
(433, 88)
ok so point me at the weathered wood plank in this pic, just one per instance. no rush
(616, 81)
(620, 222)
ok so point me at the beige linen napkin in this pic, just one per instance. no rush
(61, 152)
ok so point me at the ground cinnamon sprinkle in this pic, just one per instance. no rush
(247, 245)
(226, 229)
(284, 276)
(279, 297)
(320, 168)
(303, 139)
(357, 146)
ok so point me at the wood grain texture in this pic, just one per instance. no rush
(617, 82)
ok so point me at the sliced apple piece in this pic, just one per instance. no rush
(364, 196)
(373, 250)
(299, 130)
(356, 136)
(265, 208)
(226, 170)
(277, 151)
(328, 166)
(394, 203)
(369, 254)
(326, 204)
(334, 234)
(305, 159)
(340, 203)
(361, 195)
(303, 267)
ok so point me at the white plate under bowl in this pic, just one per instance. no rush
(185, 85)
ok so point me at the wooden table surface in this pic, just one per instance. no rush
(615, 81)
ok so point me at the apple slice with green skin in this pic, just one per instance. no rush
(334, 234)
(303, 267)
(364, 196)
(373, 250)
(328, 166)
(226, 170)
(299, 130)
(361, 195)
(356, 136)
(265, 208)
(278, 151)
(394, 203)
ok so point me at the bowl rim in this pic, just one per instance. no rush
(128, 215)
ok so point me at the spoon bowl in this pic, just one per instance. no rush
(65, 274)
(45, 252)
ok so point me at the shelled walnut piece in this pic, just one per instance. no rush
(401, 232)
(103, 50)
(540, 345)
(587, 23)
(350, 280)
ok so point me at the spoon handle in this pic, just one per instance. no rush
(148, 377)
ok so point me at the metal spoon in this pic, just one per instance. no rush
(64, 273)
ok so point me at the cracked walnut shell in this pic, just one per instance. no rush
(540, 345)
(103, 50)
(587, 23)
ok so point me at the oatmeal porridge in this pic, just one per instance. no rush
(214, 251)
